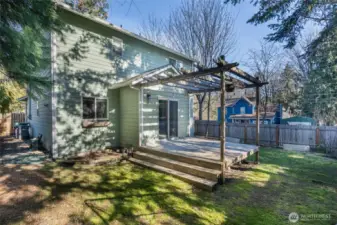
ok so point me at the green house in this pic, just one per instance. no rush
(93, 102)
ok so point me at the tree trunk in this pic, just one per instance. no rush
(201, 98)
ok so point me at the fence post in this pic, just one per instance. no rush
(277, 135)
(317, 141)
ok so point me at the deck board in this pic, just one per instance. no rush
(206, 149)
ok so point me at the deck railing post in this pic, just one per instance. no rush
(257, 138)
(223, 127)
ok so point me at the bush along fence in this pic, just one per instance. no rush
(275, 135)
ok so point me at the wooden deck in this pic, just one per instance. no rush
(205, 149)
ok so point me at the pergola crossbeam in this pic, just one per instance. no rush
(204, 90)
(184, 86)
(255, 85)
(244, 75)
(201, 84)
(208, 81)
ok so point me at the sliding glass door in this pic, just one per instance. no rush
(168, 118)
(163, 117)
(173, 119)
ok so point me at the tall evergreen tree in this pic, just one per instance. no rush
(289, 89)
(320, 92)
(291, 17)
(23, 27)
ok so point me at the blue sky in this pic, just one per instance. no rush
(248, 35)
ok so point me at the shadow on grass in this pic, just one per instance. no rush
(128, 194)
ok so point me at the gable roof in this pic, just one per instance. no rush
(121, 30)
(233, 101)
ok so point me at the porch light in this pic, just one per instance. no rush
(148, 97)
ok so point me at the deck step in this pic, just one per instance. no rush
(196, 181)
(206, 163)
(209, 174)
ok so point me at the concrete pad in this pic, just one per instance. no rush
(300, 148)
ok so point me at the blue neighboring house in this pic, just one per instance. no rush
(242, 110)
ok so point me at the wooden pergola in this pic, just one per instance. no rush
(224, 78)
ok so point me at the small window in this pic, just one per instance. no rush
(95, 108)
(117, 45)
(177, 64)
(242, 110)
(173, 62)
(233, 110)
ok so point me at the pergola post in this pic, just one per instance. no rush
(223, 127)
(257, 122)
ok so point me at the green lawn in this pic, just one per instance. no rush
(284, 182)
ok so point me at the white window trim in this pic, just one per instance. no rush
(168, 113)
(95, 103)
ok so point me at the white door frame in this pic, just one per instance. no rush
(168, 113)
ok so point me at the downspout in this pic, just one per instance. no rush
(140, 113)
(53, 71)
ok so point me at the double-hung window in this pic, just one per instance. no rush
(94, 108)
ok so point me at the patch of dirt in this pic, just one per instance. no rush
(16, 151)
(94, 158)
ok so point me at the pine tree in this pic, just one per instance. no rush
(291, 17)
(320, 92)
(290, 90)
(23, 28)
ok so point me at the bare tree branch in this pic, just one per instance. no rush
(266, 63)
(200, 29)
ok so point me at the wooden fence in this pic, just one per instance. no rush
(7, 122)
(275, 134)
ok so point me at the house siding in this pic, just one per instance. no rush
(235, 109)
(151, 111)
(92, 75)
(41, 122)
(129, 117)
